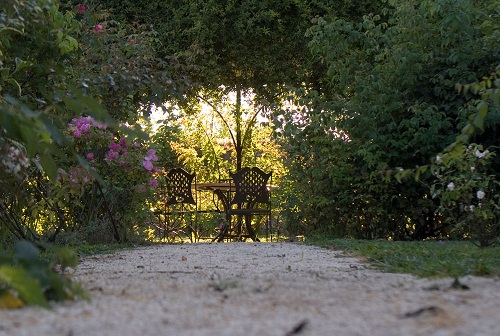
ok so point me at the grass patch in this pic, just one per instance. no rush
(91, 249)
(422, 258)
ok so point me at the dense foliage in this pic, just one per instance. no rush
(74, 162)
(247, 48)
(26, 278)
(389, 100)
(62, 66)
(256, 44)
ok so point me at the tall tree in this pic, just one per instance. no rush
(239, 46)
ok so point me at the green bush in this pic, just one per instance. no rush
(389, 100)
(27, 278)
(469, 193)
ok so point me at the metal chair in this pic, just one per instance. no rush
(176, 209)
(251, 198)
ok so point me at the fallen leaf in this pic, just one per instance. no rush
(9, 300)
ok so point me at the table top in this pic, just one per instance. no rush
(225, 186)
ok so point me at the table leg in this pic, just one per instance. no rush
(225, 204)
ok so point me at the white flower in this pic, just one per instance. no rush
(451, 186)
(480, 194)
(472, 169)
(438, 159)
(480, 155)
(471, 208)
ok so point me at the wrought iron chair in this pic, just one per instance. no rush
(251, 198)
(177, 207)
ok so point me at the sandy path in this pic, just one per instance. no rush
(257, 289)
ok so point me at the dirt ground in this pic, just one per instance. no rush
(258, 289)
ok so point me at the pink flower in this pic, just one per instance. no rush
(136, 144)
(151, 155)
(98, 28)
(114, 146)
(99, 125)
(90, 156)
(81, 9)
(84, 120)
(84, 127)
(111, 155)
(153, 183)
(123, 142)
(147, 165)
(77, 134)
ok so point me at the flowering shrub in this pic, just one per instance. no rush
(119, 161)
(12, 159)
(469, 195)
(107, 188)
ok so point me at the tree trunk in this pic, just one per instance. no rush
(239, 144)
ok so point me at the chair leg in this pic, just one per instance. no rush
(250, 230)
(268, 230)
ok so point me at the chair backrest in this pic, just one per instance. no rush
(250, 186)
(178, 183)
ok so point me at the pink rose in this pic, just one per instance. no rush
(90, 156)
(114, 146)
(151, 155)
(98, 28)
(77, 134)
(147, 165)
(111, 155)
(81, 9)
(123, 142)
(84, 128)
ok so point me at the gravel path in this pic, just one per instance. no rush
(258, 289)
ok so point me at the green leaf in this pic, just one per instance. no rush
(28, 288)
(49, 166)
(26, 251)
(479, 122)
(14, 83)
(482, 109)
(20, 64)
(75, 106)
